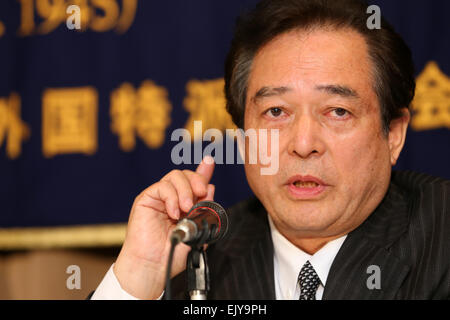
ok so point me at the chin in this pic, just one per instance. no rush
(303, 218)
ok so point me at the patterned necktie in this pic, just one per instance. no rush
(309, 282)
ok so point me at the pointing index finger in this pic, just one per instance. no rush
(206, 168)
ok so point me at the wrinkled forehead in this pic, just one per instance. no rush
(304, 60)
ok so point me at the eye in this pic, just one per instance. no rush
(274, 112)
(340, 113)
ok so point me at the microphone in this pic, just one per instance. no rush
(206, 222)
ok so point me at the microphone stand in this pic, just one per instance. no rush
(197, 267)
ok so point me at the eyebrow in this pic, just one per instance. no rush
(265, 92)
(332, 89)
(340, 90)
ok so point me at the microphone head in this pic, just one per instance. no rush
(215, 209)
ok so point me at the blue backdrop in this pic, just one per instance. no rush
(86, 115)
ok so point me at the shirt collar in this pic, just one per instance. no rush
(290, 259)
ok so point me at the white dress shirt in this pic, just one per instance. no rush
(288, 261)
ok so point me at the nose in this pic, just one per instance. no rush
(305, 138)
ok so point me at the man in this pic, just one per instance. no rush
(333, 222)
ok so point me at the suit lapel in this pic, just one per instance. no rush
(365, 268)
(362, 270)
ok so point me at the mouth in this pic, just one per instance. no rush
(306, 184)
(305, 187)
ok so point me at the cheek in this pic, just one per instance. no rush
(361, 160)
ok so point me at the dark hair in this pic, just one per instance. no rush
(393, 73)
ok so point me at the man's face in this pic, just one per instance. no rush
(316, 88)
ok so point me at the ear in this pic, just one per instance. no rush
(397, 134)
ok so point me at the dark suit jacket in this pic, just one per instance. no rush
(407, 237)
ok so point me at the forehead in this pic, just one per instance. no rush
(306, 59)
